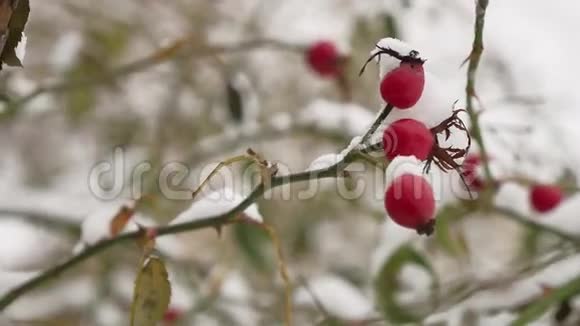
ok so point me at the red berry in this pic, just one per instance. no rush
(151, 233)
(323, 58)
(171, 316)
(544, 198)
(409, 201)
(469, 172)
(402, 87)
(407, 137)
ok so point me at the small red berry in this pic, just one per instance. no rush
(323, 58)
(407, 137)
(171, 316)
(409, 201)
(469, 172)
(402, 87)
(544, 198)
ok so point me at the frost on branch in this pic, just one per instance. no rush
(217, 203)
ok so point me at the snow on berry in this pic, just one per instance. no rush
(437, 98)
(407, 137)
(410, 202)
(324, 58)
(388, 62)
(403, 86)
(545, 198)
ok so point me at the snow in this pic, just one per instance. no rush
(214, 204)
(21, 48)
(54, 300)
(109, 313)
(385, 61)
(346, 119)
(235, 287)
(338, 297)
(281, 121)
(404, 165)
(324, 161)
(522, 57)
(392, 236)
(236, 291)
(28, 247)
(97, 225)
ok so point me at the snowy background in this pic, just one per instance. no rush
(488, 270)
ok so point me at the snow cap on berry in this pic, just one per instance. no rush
(387, 62)
(411, 165)
(403, 165)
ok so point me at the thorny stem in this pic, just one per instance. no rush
(333, 171)
(474, 59)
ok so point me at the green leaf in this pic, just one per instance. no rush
(151, 295)
(15, 28)
(451, 241)
(387, 284)
(253, 242)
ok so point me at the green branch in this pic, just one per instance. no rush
(474, 59)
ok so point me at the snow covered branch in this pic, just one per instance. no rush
(332, 171)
